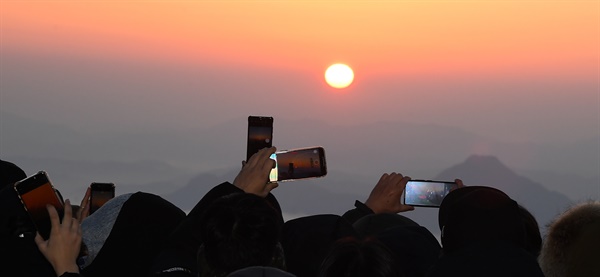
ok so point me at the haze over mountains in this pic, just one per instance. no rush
(336, 194)
(182, 166)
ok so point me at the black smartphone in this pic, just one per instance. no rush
(100, 194)
(300, 163)
(260, 134)
(35, 192)
(427, 193)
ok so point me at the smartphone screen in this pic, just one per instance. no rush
(260, 134)
(35, 193)
(427, 193)
(298, 163)
(100, 194)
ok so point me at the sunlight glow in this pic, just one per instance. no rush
(339, 75)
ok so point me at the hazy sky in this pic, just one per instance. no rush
(512, 70)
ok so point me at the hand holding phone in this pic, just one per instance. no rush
(300, 163)
(387, 194)
(253, 178)
(36, 192)
(260, 134)
(427, 193)
(63, 247)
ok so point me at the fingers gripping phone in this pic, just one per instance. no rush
(100, 194)
(300, 163)
(260, 134)
(36, 192)
(427, 193)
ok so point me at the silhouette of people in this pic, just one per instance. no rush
(239, 230)
(353, 257)
(179, 256)
(19, 254)
(306, 241)
(416, 248)
(482, 235)
(384, 198)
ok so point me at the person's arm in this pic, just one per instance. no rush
(178, 258)
(384, 198)
(63, 246)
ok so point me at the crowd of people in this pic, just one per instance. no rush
(237, 229)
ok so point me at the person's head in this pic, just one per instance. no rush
(10, 173)
(478, 214)
(306, 241)
(572, 243)
(373, 224)
(416, 248)
(351, 257)
(533, 237)
(238, 231)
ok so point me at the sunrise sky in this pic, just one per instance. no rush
(495, 68)
(517, 79)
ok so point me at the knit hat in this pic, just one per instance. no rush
(478, 213)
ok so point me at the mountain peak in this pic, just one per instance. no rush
(477, 167)
(483, 159)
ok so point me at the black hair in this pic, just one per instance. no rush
(352, 257)
(239, 230)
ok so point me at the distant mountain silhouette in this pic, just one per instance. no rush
(478, 170)
(325, 195)
(302, 197)
(576, 187)
(164, 161)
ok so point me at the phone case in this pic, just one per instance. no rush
(260, 134)
(100, 194)
(299, 163)
(35, 192)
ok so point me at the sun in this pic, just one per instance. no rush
(339, 75)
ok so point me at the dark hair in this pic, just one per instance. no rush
(351, 257)
(533, 237)
(239, 230)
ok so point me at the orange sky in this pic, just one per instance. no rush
(375, 37)
(504, 70)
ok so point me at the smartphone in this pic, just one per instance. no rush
(35, 192)
(100, 194)
(300, 163)
(427, 193)
(260, 134)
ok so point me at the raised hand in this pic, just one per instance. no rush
(63, 246)
(254, 176)
(385, 196)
